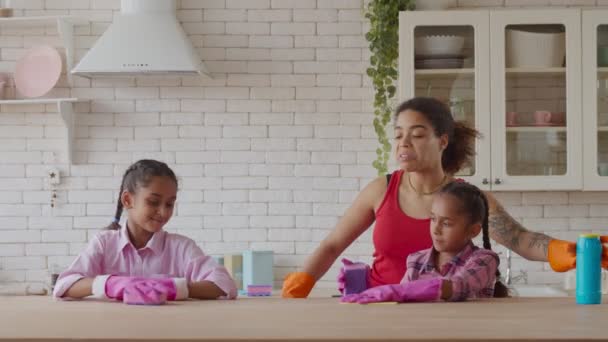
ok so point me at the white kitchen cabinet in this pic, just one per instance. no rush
(540, 151)
(539, 146)
(466, 88)
(595, 99)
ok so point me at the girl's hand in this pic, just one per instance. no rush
(384, 293)
(341, 278)
(114, 286)
(144, 293)
(426, 290)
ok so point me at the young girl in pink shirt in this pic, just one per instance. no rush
(454, 269)
(140, 263)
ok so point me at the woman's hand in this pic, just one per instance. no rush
(297, 285)
(356, 220)
(562, 255)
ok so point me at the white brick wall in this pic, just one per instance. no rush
(270, 152)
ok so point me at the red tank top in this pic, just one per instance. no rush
(396, 235)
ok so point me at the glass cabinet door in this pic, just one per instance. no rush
(595, 99)
(448, 60)
(535, 99)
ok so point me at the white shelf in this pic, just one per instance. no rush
(602, 129)
(536, 129)
(41, 20)
(65, 28)
(65, 108)
(602, 70)
(445, 72)
(535, 70)
(39, 101)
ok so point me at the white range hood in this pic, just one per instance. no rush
(145, 38)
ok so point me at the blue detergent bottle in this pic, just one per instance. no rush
(588, 270)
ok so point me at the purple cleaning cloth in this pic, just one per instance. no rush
(355, 278)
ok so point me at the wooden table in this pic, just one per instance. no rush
(43, 319)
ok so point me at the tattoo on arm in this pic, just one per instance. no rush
(510, 233)
(539, 240)
(505, 229)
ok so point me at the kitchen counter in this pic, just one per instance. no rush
(40, 318)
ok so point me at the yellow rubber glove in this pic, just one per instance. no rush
(562, 255)
(297, 285)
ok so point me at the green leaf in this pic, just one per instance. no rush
(383, 38)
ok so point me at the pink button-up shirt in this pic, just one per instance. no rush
(166, 254)
(472, 271)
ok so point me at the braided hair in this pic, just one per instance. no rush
(475, 203)
(139, 175)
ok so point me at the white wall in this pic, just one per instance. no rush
(270, 151)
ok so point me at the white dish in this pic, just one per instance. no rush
(439, 63)
(37, 71)
(444, 45)
(529, 47)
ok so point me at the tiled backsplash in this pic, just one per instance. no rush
(270, 151)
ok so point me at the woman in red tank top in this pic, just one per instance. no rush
(429, 147)
(396, 235)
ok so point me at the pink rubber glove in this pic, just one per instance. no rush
(113, 287)
(341, 279)
(426, 290)
(144, 293)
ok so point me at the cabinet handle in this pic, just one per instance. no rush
(497, 181)
(485, 181)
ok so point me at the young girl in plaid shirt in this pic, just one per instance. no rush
(454, 269)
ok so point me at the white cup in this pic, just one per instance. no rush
(602, 169)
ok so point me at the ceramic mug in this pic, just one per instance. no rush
(602, 56)
(558, 118)
(602, 119)
(511, 118)
(542, 117)
(602, 169)
(4, 83)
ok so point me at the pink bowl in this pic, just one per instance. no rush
(37, 72)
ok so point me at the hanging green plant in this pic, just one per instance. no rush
(383, 38)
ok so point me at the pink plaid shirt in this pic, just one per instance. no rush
(166, 254)
(472, 271)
